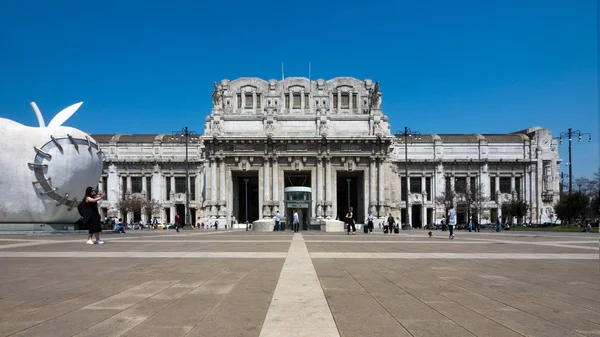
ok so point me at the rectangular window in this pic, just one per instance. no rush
(493, 188)
(248, 104)
(335, 101)
(448, 187)
(297, 101)
(258, 101)
(473, 186)
(105, 186)
(428, 187)
(287, 101)
(149, 188)
(460, 184)
(192, 188)
(355, 101)
(180, 186)
(123, 186)
(518, 185)
(239, 100)
(168, 188)
(403, 188)
(415, 185)
(306, 102)
(136, 184)
(505, 185)
(345, 100)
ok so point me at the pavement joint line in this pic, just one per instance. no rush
(456, 256)
(540, 243)
(153, 255)
(299, 294)
(203, 241)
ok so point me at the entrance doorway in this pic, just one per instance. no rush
(298, 197)
(416, 212)
(180, 208)
(350, 193)
(245, 197)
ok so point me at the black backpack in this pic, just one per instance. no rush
(81, 207)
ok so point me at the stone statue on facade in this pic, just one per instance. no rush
(269, 127)
(378, 128)
(217, 96)
(323, 127)
(217, 128)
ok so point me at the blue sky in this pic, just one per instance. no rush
(444, 66)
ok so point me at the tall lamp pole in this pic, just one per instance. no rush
(348, 181)
(185, 135)
(408, 135)
(246, 208)
(570, 133)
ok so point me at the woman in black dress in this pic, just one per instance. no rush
(91, 216)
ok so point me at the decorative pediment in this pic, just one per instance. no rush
(297, 88)
(248, 88)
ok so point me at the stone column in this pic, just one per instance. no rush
(372, 185)
(512, 183)
(254, 105)
(302, 100)
(213, 187)
(144, 186)
(319, 196)
(243, 94)
(424, 187)
(128, 183)
(423, 216)
(339, 100)
(468, 180)
(275, 179)
(172, 184)
(497, 178)
(222, 185)
(266, 187)
(172, 215)
(350, 100)
(381, 196)
(329, 183)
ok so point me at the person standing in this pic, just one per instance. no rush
(350, 221)
(370, 222)
(277, 221)
(91, 216)
(177, 222)
(296, 222)
(451, 221)
(391, 222)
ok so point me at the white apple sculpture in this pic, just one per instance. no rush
(45, 169)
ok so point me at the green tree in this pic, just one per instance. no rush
(572, 206)
(515, 208)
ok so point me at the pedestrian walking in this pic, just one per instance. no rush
(296, 222)
(451, 221)
(350, 221)
(177, 222)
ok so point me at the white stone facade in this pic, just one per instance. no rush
(263, 137)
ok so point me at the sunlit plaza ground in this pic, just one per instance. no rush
(238, 283)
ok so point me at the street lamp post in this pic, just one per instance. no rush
(407, 135)
(185, 135)
(570, 133)
(348, 181)
(246, 208)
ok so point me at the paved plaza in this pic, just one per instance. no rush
(238, 283)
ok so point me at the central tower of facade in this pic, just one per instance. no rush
(318, 147)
